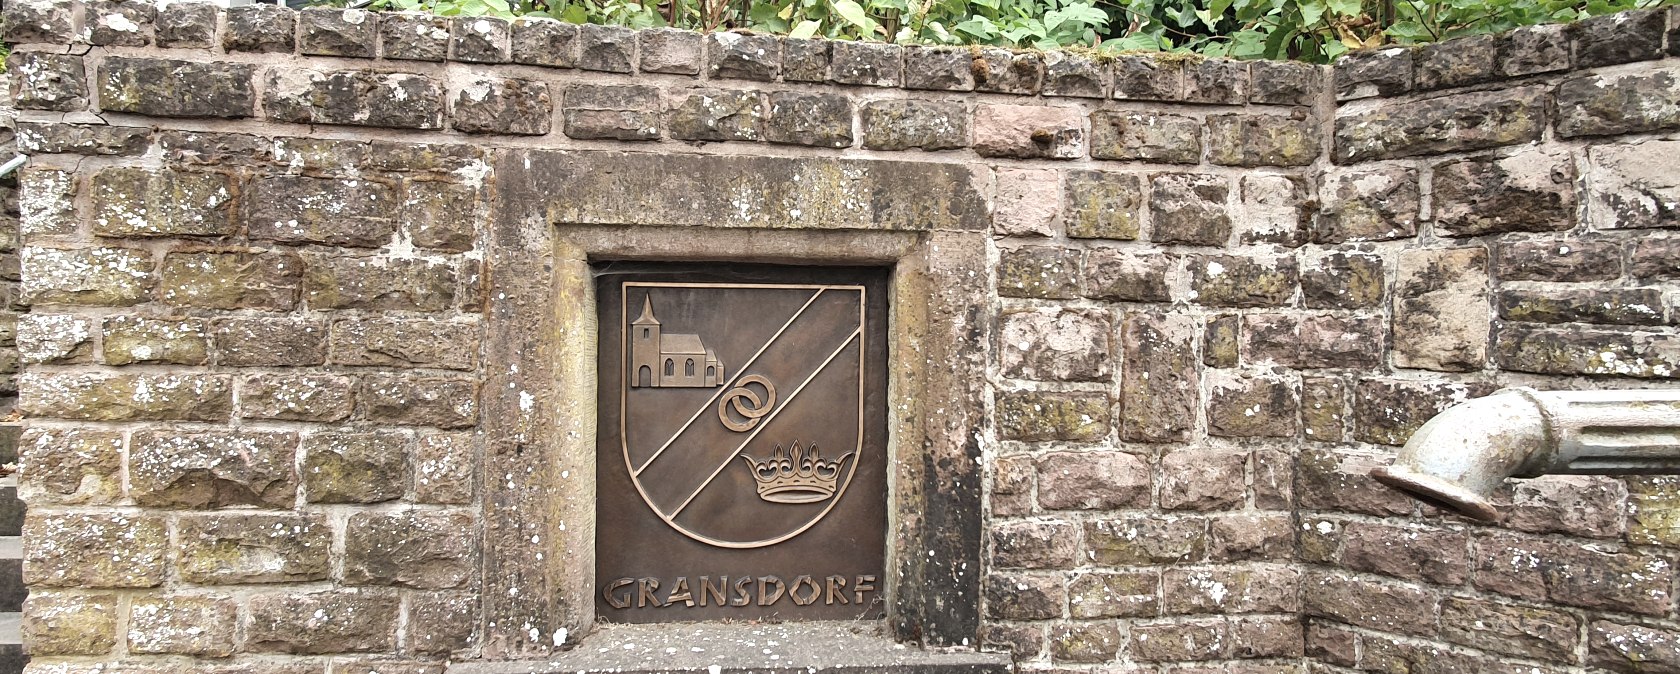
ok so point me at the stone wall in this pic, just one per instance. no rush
(270, 259)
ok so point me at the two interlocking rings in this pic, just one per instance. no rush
(747, 403)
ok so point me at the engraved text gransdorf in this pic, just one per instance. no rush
(626, 593)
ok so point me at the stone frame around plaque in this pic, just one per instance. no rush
(557, 212)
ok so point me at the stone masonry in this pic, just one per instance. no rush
(256, 248)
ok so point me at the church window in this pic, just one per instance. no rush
(670, 367)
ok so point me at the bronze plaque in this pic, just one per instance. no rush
(742, 456)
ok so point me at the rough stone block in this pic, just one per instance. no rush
(1616, 306)
(231, 549)
(804, 60)
(1531, 191)
(907, 124)
(182, 624)
(1091, 480)
(1146, 77)
(1574, 350)
(1427, 555)
(1032, 416)
(1217, 81)
(1147, 136)
(1024, 202)
(1373, 72)
(46, 202)
(442, 622)
(116, 23)
(669, 50)
(94, 550)
(1367, 205)
(70, 466)
(1231, 590)
(443, 468)
(746, 57)
(1013, 478)
(214, 149)
(432, 158)
(135, 339)
(1125, 594)
(1263, 140)
(1388, 411)
(270, 342)
(1311, 342)
(381, 284)
(47, 81)
(1007, 72)
(46, 21)
(1142, 540)
(331, 31)
(1265, 637)
(1632, 648)
(1338, 479)
(1614, 104)
(175, 469)
(612, 112)
(1102, 205)
(355, 467)
(817, 120)
(939, 68)
(137, 202)
(1568, 573)
(331, 621)
(1124, 276)
(1576, 505)
(1085, 642)
(440, 215)
(61, 623)
(1220, 341)
(1391, 607)
(1530, 50)
(1251, 537)
(354, 97)
(333, 211)
(405, 343)
(718, 115)
(1623, 37)
(88, 139)
(260, 28)
(278, 397)
(54, 338)
(1259, 406)
(541, 41)
(413, 36)
(99, 396)
(1650, 259)
(479, 39)
(1275, 210)
(1232, 281)
(606, 48)
(1055, 344)
(1441, 310)
(419, 549)
(1024, 597)
(1448, 123)
(1044, 272)
(1635, 186)
(1456, 63)
(1028, 132)
(1201, 479)
(1285, 82)
(233, 280)
(1159, 386)
(1179, 641)
(1568, 261)
(1323, 409)
(505, 106)
(870, 64)
(418, 401)
(1035, 544)
(1189, 209)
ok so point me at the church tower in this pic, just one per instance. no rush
(644, 347)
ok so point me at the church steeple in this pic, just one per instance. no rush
(647, 312)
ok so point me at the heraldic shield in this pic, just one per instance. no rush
(748, 472)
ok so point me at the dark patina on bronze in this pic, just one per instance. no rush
(742, 442)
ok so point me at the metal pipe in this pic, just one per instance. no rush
(8, 167)
(1460, 456)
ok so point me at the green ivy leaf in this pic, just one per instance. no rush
(853, 14)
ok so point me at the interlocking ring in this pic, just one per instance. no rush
(747, 403)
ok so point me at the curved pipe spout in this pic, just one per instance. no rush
(1459, 457)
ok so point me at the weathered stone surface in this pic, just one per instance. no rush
(1189, 208)
(354, 97)
(90, 139)
(260, 28)
(1259, 406)
(745, 57)
(1033, 416)
(1577, 505)
(183, 624)
(1055, 344)
(1251, 537)
(1232, 281)
(1323, 409)
(1617, 306)
(803, 60)
(332, 621)
(1337, 479)
(70, 466)
(1092, 480)
(1312, 341)
(47, 81)
(1650, 259)
(330, 31)
(340, 212)
(669, 50)
(1152, 539)
(1076, 75)
(278, 397)
(939, 68)
(1275, 209)
(1231, 590)
(389, 284)
(1429, 555)
(1328, 642)
(54, 338)
(136, 202)
(1632, 648)
(100, 396)
(1619, 38)
(1568, 573)
(606, 48)
(230, 549)
(1531, 191)
(94, 550)
(1148, 78)
(612, 112)
(541, 41)
(1045, 272)
(1456, 63)
(1085, 642)
(479, 39)
(1028, 132)
(1145, 135)
(420, 549)
(442, 622)
(1373, 72)
(1606, 104)
(1441, 310)
(1565, 260)
(1180, 640)
(717, 115)
(1263, 140)
(174, 469)
(1013, 478)
(232, 280)
(440, 215)
(435, 158)
(1024, 202)
(414, 36)
(1159, 386)
(355, 467)
(38, 21)
(870, 64)
(1574, 350)
(1124, 276)
(1285, 82)
(1008, 72)
(60, 623)
(214, 149)
(1126, 594)
(1102, 205)
(1634, 186)
(405, 343)
(818, 120)
(505, 106)
(46, 202)
(1034, 544)
(443, 468)
(1390, 607)
(1529, 50)
(1218, 81)
(1220, 341)
(418, 401)
(906, 124)
(1449, 123)
(134, 339)
(1194, 479)
(1024, 597)
(1388, 411)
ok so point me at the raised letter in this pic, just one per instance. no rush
(644, 592)
(614, 601)
(742, 594)
(780, 588)
(716, 592)
(836, 590)
(864, 584)
(816, 591)
(680, 592)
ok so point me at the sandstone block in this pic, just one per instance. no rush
(99, 396)
(1450, 123)
(1330, 643)
(443, 468)
(46, 202)
(1264, 537)
(440, 215)
(321, 398)
(1056, 344)
(548, 42)
(1148, 78)
(1367, 205)
(1265, 637)
(1012, 485)
(1180, 640)
(1259, 406)
(606, 48)
(1619, 38)
(1028, 132)
(1313, 341)
(1634, 186)
(803, 60)
(432, 158)
(1147, 136)
(232, 280)
(1618, 306)
(871, 64)
(1024, 597)
(260, 28)
(1159, 386)
(1429, 555)
(1651, 259)
(504, 106)
(180, 624)
(38, 21)
(1275, 209)
(1391, 607)
(214, 149)
(1189, 209)
(1569, 261)
(133, 339)
(1085, 642)
(134, 202)
(442, 622)
(330, 31)
(355, 467)
(1122, 276)
(1571, 574)
(381, 284)
(1339, 479)
(54, 338)
(418, 401)
(332, 621)
(1025, 202)
(1263, 140)
(420, 549)
(479, 39)
(47, 81)
(60, 623)
(1323, 409)
(355, 97)
(1529, 50)
(1441, 310)
(1231, 590)
(333, 211)
(1388, 411)
(1140, 540)
(1342, 281)
(1532, 191)
(610, 112)
(1076, 75)
(1047, 272)
(1373, 72)
(176, 469)
(906, 124)
(669, 50)
(1632, 648)
(817, 120)
(1512, 630)
(1008, 72)
(1635, 102)
(939, 68)
(1218, 81)
(1231, 281)
(1034, 544)
(1126, 594)
(718, 115)
(94, 550)
(1653, 510)
(746, 57)
(1102, 205)
(1032, 416)
(405, 343)
(70, 466)
(1194, 479)
(1274, 479)
(1220, 341)
(1456, 63)
(1091, 480)
(1284, 82)
(88, 139)
(1572, 351)
(231, 549)
(413, 36)
(119, 24)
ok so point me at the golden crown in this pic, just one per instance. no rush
(796, 475)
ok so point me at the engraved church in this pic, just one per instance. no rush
(660, 360)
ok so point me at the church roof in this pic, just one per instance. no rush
(683, 344)
(647, 312)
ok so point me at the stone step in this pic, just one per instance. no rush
(12, 658)
(740, 648)
(12, 590)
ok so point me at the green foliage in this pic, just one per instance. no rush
(1309, 30)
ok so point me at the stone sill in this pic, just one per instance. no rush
(738, 648)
